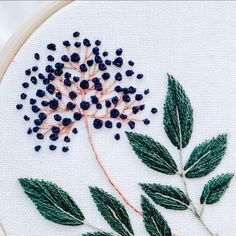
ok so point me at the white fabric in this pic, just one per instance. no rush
(195, 41)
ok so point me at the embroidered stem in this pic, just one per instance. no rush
(104, 170)
(2, 231)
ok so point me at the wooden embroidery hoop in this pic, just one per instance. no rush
(16, 41)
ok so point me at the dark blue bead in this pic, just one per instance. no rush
(114, 113)
(153, 110)
(97, 123)
(65, 58)
(108, 103)
(123, 116)
(67, 75)
(94, 99)
(53, 137)
(95, 51)
(38, 122)
(76, 34)
(96, 80)
(138, 97)
(49, 69)
(126, 98)
(105, 54)
(23, 96)
(32, 101)
(118, 76)
(98, 42)
(52, 147)
(118, 125)
(146, 121)
(76, 78)
(132, 90)
(65, 149)
(90, 62)
(118, 89)
(135, 109)
(41, 76)
(36, 56)
(119, 51)
(35, 109)
(51, 46)
(28, 72)
(66, 121)
(66, 43)
(50, 58)
(117, 137)
(26, 118)
(131, 124)
(59, 65)
(106, 76)
(114, 100)
(146, 91)
(98, 59)
(108, 62)
(75, 57)
(77, 44)
(42, 116)
(50, 88)
(35, 129)
(40, 136)
(118, 62)
(125, 91)
(139, 76)
(33, 80)
(59, 95)
(141, 107)
(66, 139)
(70, 105)
(55, 130)
(53, 104)
(37, 148)
(99, 106)
(129, 72)
(57, 117)
(102, 67)
(77, 116)
(72, 95)
(45, 103)
(84, 105)
(29, 131)
(83, 67)
(25, 85)
(35, 68)
(131, 63)
(86, 43)
(98, 86)
(108, 124)
(74, 131)
(46, 81)
(84, 84)
(67, 82)
(51, 77)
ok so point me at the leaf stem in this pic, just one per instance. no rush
(193, 209)
(2, 231)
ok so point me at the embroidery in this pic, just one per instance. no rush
(178, 123)
(83, 85)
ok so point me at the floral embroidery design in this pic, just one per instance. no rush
(58, 206)
(83, 85)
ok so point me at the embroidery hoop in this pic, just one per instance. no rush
(20, 36)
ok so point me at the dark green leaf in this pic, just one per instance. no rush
(97, 234)
(215, 188)
(112, 211)
(154, 222)
(152, 153)
(166, 196)
(205, 157)
(178, 114)
(52, 202)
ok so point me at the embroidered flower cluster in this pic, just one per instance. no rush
(84, 82)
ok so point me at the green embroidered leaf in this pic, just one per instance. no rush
(205, 157)
(178, 114)
(215, 188)
(97, 234)
(166, 196)
(154, 222)
(112, 211)
(52, 202)
(152, 153)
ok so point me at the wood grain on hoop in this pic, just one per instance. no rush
(16, 41)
